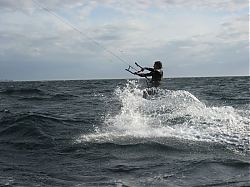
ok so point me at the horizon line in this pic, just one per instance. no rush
(90, 79)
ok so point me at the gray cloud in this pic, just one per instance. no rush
(40, 46)
(229, 5)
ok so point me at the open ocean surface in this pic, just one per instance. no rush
(193, 132)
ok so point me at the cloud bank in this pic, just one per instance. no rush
(192, 38)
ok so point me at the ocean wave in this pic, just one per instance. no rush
(48, 97)
(29, 130)
(36, 94)
(22, 91)
(34, 98)
(155, 144)
(15, 118)
(63, 96)
(24, 127)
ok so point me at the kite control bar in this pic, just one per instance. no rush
(142, 69)
(128, 69)
(136, 71)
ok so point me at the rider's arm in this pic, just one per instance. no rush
(144, 74)
(149, 69)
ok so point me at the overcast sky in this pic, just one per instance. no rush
(190, 37)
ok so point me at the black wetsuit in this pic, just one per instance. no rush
(156, 74)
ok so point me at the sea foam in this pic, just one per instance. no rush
(171, 114)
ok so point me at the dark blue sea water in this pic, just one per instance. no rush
(193, 132)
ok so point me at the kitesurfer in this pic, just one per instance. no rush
(156, 73)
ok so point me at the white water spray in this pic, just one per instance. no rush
(171, 114)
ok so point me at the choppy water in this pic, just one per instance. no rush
(193, 132)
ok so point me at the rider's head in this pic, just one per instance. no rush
(157, 65)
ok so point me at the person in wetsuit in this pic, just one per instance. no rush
(155, 72)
